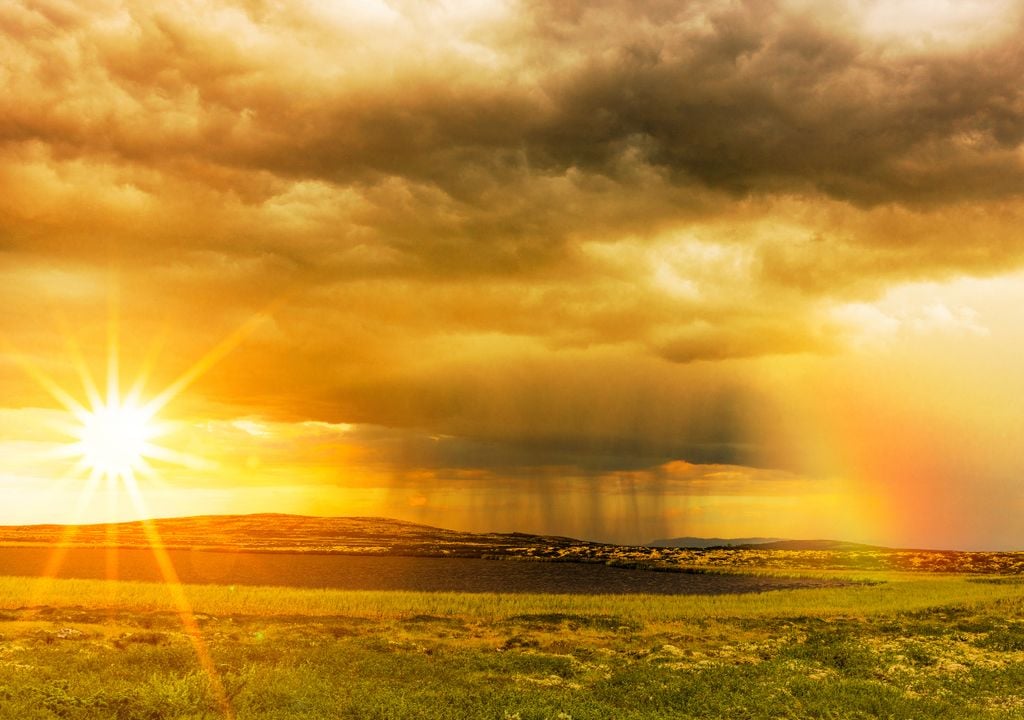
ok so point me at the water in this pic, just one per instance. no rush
(349, 572)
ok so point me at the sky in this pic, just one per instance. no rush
(607, 269)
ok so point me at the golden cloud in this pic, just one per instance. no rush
(571, 229)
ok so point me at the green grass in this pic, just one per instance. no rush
(876, 593)
(909, 646)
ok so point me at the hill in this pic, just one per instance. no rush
(276, 533)
(270, 532)
(697, 542)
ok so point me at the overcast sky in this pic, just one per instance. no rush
(620, 270)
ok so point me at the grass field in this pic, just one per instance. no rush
(906, 646)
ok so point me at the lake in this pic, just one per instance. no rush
(359, 572)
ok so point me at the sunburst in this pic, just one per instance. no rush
(116, 438)
(113, 438)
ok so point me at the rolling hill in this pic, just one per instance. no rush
(698, 542)
(269, 532)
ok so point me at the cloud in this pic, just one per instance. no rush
(758, 99)
(737, 98)
(570, 229)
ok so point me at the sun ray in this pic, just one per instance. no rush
(113, 349)
(111, 529)
(46, 382)
(92, 391)
(60, 550)
(211, 358)
(182, 605)
(177, 457)
(113, 440)
(148, 363)
(68, 533)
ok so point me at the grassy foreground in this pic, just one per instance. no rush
(913, 646)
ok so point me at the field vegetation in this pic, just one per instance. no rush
(903, 645)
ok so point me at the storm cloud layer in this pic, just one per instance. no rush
(569, 232)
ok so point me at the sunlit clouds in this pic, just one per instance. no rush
(621, 270)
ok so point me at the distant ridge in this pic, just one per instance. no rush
(697, 542)
(278, 532)
(760, 543)
(299, 534)
(812, 545)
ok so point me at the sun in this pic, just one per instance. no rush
(114, 438)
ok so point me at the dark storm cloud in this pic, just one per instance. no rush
(760, 100)
(746, 97)
(453, 216)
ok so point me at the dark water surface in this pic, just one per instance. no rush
(353, 572)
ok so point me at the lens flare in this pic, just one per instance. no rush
(114, 438)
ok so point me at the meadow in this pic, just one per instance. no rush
(894, 645)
